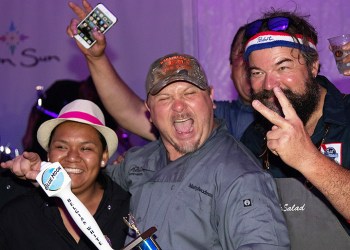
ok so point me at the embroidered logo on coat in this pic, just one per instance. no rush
(247, 203)
(136, 171)
(332, 151)
(200, 190)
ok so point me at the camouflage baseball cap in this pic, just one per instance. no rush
(174, 68)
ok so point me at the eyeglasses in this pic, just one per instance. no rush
(273, 24)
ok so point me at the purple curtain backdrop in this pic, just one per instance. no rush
(216, 22)
(35, 50)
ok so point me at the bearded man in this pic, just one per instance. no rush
(302, 133)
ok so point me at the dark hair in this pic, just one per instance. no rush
(60, 93)
(101, 137)
(298, 25)
(235, 41)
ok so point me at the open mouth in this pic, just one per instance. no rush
(184, 126)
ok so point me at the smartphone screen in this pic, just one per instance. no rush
(99, 17)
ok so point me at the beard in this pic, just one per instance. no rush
(304, 104)
(187, 147)
(182, 146)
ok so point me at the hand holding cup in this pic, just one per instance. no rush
(340, 46)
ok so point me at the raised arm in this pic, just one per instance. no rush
(289, 140)
(120, 101)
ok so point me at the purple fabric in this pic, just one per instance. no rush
(35, 50)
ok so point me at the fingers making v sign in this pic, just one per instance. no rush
(288, 137)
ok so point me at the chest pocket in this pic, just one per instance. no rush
(195, 196)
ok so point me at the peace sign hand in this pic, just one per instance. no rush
(288, 137)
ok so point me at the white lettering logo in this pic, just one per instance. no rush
(292, 208)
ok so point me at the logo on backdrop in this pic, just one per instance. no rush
(13, 37)
(27, 57)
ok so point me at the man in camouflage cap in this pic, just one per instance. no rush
(196, 184)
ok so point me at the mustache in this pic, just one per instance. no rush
(181, 116)
(264, 94)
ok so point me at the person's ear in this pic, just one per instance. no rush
(148, 109)
(104, 159)
(315, 68)
(212, 97)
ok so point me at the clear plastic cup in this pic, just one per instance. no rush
(336, 46)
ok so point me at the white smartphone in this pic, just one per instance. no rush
(99, 17)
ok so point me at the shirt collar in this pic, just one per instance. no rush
(333, 107)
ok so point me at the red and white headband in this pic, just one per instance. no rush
(270, 39)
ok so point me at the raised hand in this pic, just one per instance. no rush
(288, 137)
(98, 48)
(24, 166)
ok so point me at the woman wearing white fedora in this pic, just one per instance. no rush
(79, 140)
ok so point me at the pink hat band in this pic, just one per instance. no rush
(82, 111)
(83, 116)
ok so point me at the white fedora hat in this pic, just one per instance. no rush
(82, 111)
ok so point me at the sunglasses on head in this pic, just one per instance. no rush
(272, 23)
